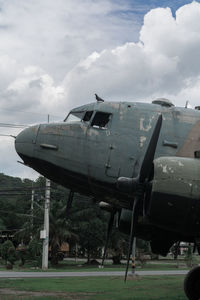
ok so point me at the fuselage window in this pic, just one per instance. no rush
(88, 116)
(101, 120)
(74, 117)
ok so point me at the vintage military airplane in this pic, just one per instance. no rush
(141, 160)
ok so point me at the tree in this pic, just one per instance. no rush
(89, 223)
(35, 251)
(8, 252)
(59, 231)
(86, 220)
(118, 245)
(14, 201)
(143, 250)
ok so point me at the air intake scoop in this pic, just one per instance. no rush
(163, 102)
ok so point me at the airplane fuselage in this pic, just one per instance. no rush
(89, 158)
(100, 142)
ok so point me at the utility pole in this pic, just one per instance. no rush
(45, 252)
(32, 200)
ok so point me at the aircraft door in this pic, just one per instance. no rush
(122, 146)
(98, 139)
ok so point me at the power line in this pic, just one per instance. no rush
(21, 188)
(29, 112)
(19, 214)
(14, 194)
(13, 125)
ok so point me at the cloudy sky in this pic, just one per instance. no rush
(54, 55)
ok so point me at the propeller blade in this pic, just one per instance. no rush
(149, 155)
(137, 184)
(69, 202)
(131, 236)
(109, 230)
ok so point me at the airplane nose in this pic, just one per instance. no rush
(25, 142)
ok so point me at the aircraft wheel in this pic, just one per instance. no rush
(192, 284)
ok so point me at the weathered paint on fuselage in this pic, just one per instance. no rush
(89, 160)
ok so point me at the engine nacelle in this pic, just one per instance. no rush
(175, 198)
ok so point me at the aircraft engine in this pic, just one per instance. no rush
(175, 196)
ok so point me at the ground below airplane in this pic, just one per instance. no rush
(141, 160)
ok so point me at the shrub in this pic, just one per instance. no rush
(8, 252)
(35, 251)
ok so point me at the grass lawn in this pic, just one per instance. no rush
(72, 266)
(93, 288)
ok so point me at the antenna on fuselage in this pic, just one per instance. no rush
(98, 98)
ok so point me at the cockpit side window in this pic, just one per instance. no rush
(101, 120)
(88, 116)
(74, 117)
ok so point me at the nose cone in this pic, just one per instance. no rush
(25, 142)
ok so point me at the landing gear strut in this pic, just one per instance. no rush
(192, 284)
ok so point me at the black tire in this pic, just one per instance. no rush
(192, 284)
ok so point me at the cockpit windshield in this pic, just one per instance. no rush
(75, 117)
(88, 116)
(100, 119)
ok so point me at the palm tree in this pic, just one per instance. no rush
(59, 230)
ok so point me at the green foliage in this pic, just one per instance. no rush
(22, 255)
(14, 202)
(8, 252)
(89, 223)
(190, 257)
(85, 226)
(2, 225)
(86, 223)
(35, 248)
(59, 231)
(118, 246)
(143, 251)
(175, 250)
(34, 252)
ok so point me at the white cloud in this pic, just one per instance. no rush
(55, 35)
(35, 89)
(50, 38)
(165, 61)
(13, 167)
(41, 41)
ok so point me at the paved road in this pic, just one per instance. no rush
(12, 274)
